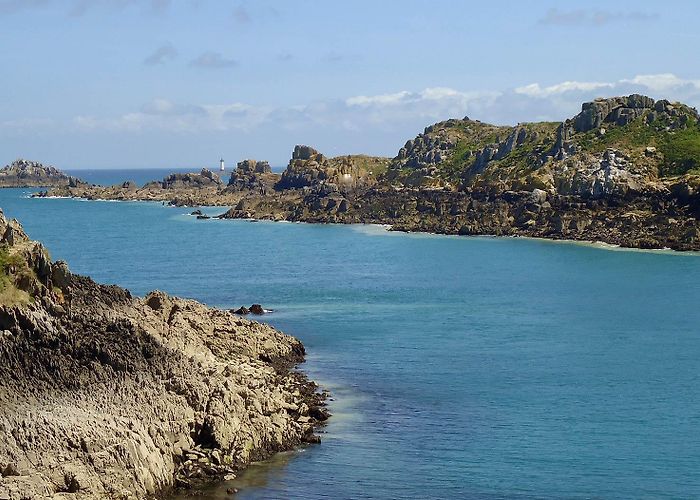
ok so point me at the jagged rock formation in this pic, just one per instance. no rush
(254, 167)
(104, 395)
(310, 169)
(252, 175)
(471, 154)
(24, 173)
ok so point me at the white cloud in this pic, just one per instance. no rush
(395, 114)
(378, 100)
(661, 82)
(589, 17)
(535, 90)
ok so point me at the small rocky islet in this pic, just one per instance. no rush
(24, 174)
(106, 395)
(624, 171)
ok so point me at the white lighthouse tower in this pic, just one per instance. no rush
(222, 167)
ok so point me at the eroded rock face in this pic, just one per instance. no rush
(618, 110)
(610, 175)
(254, 167)
(103, 395)
(306, 153)
(252, 175)
(310, 169)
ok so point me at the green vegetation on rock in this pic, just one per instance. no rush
(12, 267)
(653, 139)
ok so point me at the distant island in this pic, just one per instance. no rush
(624, 171)
(24, 173)
(106, 395)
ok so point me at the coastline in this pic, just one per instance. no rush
(133, 397)
(636, 224)
(597, 244)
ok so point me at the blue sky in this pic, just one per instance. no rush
(173, 83)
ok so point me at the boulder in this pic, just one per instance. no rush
(257, 309)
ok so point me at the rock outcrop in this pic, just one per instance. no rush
(252, 175)
(618, 110)
(630, 164)
(105, 395)
(24, 173)
(205, 178)
(310, 169)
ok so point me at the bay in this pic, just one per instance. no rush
(459, 367)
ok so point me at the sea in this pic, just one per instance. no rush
(458, 367)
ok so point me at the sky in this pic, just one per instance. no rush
(181, 83)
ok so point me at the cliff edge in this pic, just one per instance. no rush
(103, 394)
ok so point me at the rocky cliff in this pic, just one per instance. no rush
(613, 147)
(624, 170)
(105, 395)
(252, 175)
(309, 168)
(24, 173)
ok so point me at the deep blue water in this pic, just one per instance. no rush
(460, 367)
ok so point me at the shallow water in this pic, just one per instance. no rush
(460, 367)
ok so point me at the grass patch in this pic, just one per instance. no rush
(681, 152)
(12, 265)
(680, 146)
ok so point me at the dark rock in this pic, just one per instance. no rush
(319, 413)
(257, 309)
(311, 438)
(305, 153)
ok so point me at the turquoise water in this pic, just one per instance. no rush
(460, 367)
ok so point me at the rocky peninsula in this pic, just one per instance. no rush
(24, 173)
(624, 171)
(106, 395)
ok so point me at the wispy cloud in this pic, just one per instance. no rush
(662, 82)
(588, 17)
(213, 60)
(334, 57)
(241, 15)
(394, 116)
(161, 55)
(13, 6)
(536, 90)
(81, 7)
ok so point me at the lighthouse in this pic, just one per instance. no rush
(222, 167)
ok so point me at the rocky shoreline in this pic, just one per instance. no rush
(624, 171)
(103, 394)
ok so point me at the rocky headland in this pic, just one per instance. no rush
(24, 173)
(625, 171)
(106, 395)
